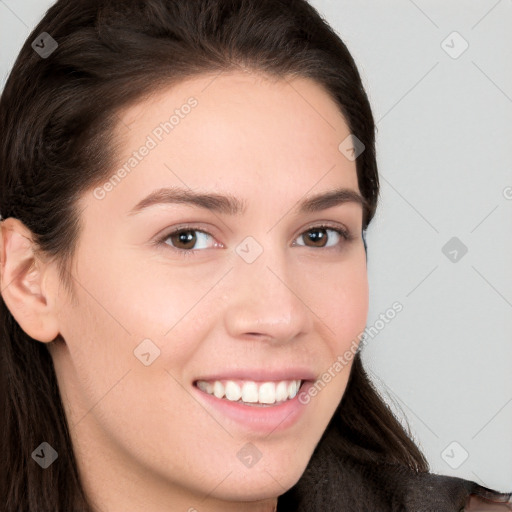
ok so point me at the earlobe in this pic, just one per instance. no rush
(22, 282)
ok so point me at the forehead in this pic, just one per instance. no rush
(236, 132)
(240, 120)
(245, 91)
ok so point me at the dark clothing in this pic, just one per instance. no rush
(335, 483)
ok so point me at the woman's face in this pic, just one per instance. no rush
(254, 291)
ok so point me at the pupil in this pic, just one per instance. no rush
(186, 237)
(317, 235)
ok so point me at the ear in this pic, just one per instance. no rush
(23, 282)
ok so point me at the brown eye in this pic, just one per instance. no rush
(323, 236)
(186, 240)
(317, 237)
(183, 239)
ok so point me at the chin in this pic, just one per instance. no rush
(248, 488)
(263, 482)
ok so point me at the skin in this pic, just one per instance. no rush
(477, 504)
(142, 441)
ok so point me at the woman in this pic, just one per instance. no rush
(185, 188)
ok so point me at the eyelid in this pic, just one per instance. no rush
(324, 224)
(186, 226)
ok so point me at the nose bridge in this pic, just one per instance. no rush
(265, 300)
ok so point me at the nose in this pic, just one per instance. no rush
(267, 300)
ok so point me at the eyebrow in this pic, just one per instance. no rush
(231, 205)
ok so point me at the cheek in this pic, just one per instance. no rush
(343, 300)
(124, 305)
(145, 298)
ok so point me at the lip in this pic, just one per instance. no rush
(261, 374)
(262, 419)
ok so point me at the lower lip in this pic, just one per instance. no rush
(264, 419)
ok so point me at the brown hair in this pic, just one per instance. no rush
(57, 117)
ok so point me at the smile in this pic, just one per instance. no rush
(259, 400)
(250, 392)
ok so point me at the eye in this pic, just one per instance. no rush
(187, 240)
(319, 238)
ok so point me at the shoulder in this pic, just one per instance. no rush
(478, 504)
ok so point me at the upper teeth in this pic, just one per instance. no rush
(250, 391)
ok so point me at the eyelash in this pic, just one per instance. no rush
(345, 235)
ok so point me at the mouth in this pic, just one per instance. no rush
(250, 392)
(258, 400)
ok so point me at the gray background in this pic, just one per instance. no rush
(445, 160)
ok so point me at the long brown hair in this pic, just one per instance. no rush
(57, 116)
